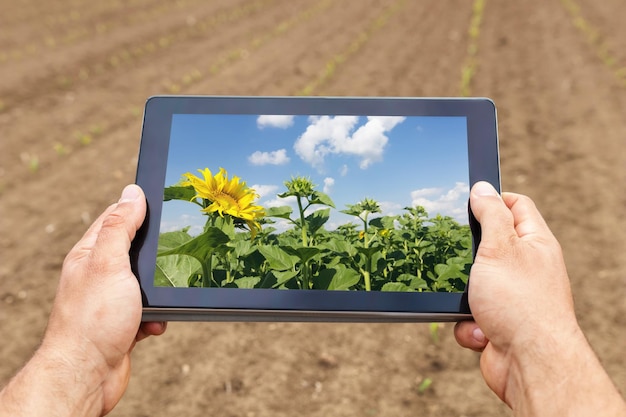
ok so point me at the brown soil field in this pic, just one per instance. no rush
(74, 76)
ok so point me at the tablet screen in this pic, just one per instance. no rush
(317, 202)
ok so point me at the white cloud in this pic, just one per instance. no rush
(195, 224)
(278, 121)
(344, 170)
(390, 208)
(278, 202)
(335, 135)
(328, 184)
(424, 192)
(264, 190)
(278, 157)
(452, 202)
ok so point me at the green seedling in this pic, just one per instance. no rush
(85, 139)
(60, 149)
(434, 332)
(424, 385)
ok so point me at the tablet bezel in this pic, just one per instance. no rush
(216, 304)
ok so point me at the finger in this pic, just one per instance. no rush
(151, 328)
(470, 336)
(494, 216)
(527, 219)
(86, 243)
(119, 228)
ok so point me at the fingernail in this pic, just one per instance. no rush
(478, 335)
(130, 193)
(483, 188)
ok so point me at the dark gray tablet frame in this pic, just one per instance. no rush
(231, 304)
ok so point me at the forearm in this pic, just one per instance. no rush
(48, 385)
(563, 379)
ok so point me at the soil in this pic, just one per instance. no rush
(74, 75)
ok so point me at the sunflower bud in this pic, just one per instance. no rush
(300, 187)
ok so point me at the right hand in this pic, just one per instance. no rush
(519, 291)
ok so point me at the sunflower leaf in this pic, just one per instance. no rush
(175, 270)
(283, 212)
(396, 287)
(317, 219)
(304, 254)
(318, 197)
(337, 278)
(277, 258)
(201, 246)
(176, 192)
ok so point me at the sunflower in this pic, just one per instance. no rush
(231, 197)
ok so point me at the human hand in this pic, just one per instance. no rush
(94, 324)
(535, 357)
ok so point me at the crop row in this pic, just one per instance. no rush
(126, 55)
(597, 41)
(341, 57)
(33, 161)
(91, 130)
(238, 53)
(471, 61)
(70, 23)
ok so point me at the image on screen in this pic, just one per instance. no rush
(356, 203)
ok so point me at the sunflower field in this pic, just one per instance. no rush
(240, 248)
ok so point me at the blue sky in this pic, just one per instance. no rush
(397, 161)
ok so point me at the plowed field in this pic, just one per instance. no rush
(74, 75)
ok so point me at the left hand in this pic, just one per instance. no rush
(96, 317)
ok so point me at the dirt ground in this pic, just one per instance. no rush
(74, 75)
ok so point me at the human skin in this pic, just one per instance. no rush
(82, 367)
(535, 357)
(534, 354)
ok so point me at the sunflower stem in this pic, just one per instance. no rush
(368, 258)
(207, 271)
(306, 279)
(305, 242)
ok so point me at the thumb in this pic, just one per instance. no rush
(118, 229)
(495, 218)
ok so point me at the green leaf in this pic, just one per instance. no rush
(317, 219)
(171, 240)
(283, 212)
(352, 210)
(175, 270)
(369, 251)
(340, 246)
(405, 277)
(385, 222)
(247, 282)
(445, 272)
(243, 248)
(318, 197)
(268, 280)
(178, 193)
(277, 258)
(418, 283)
(282, 277)
(396, 287)
(338, 278)
(304, 254)
(200, 247)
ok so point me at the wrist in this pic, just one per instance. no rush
(560, 375)
(53, 383)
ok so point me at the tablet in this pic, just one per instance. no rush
(311, 208)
